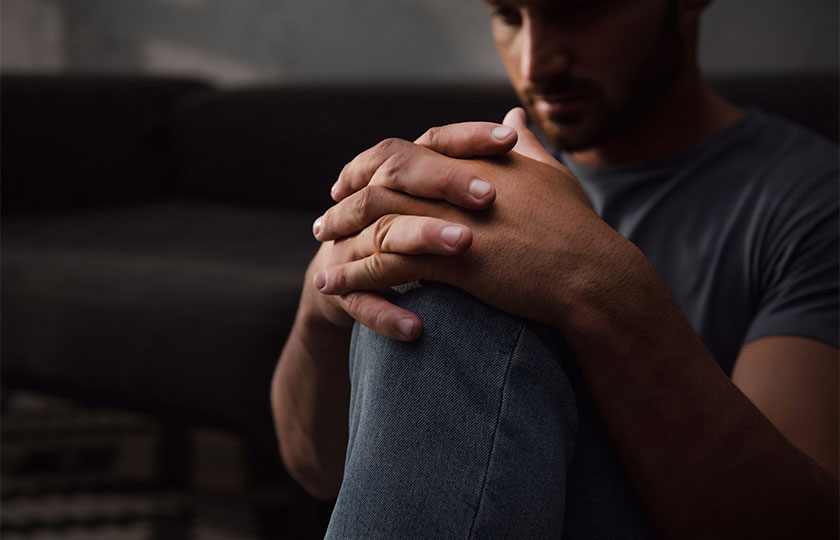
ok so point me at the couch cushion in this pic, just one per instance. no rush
(176, 305)
(288, 145)
(74, 140)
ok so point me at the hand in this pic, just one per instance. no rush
(465, 140)
(531, 250)
(369, 308)
(410, 236)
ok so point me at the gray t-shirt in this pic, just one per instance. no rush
(744, 231)
(742, 228)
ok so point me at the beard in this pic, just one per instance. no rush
(598, 120)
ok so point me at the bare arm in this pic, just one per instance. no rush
(705, 459)
(794, 382)
(310, 390)
(310, 393)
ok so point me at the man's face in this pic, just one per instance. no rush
(587, 69)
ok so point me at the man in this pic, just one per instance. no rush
(654, 342)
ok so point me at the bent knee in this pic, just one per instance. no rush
(468, 351)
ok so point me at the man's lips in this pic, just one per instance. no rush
(559, 102)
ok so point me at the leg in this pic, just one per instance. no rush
(466, 433)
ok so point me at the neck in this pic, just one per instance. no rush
(688, 113)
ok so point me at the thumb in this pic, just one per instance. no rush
(528, 145)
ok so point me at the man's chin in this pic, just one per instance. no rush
(571, 134)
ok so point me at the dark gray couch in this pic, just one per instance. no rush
(155, 231)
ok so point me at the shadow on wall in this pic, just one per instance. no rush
(252, 40)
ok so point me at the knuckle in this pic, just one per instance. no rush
(359, 209)
(349, 171)
(432, 137)
(449, 175)
(378, 318)
(375, 267)
(390, 170)
(345, 170)
(326, 223)
(388, 146)
(350, 303)
(381, 227)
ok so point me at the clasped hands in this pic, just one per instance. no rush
(477, 205)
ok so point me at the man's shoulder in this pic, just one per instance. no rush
(786, 160)
(776, 139)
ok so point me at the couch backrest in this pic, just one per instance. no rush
(70, 141)
(288, 145)
(92, 140)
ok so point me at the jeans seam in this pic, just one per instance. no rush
(495, 431)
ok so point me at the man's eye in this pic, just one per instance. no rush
(507, 15)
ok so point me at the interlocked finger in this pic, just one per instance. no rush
(409, 235)
(433, 176)
(373, 273)
(464, 140)
(469, 139)
(366, 206)
(381, 316)
(358, 172)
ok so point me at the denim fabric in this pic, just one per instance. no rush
(471, 432)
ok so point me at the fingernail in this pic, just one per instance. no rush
(334, 188)
(316, 227)
(479, 188)
(320, 280)
(406, 326)
(502, 133)
(451, 234)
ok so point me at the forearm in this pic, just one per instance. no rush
(706, 462)
(310, 397)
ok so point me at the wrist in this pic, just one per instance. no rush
(311, 323)
(319, 319)
(616, 292)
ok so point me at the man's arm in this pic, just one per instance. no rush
(309, 398)
(310, 391)
(706, 461)
(310, 388)
(794, 382)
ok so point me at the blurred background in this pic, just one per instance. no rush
(162, 163)
(250, 41)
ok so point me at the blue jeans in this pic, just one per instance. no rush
(476, 430)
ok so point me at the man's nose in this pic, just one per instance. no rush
(544, 53)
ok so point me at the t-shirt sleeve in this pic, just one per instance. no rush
(798, 264)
